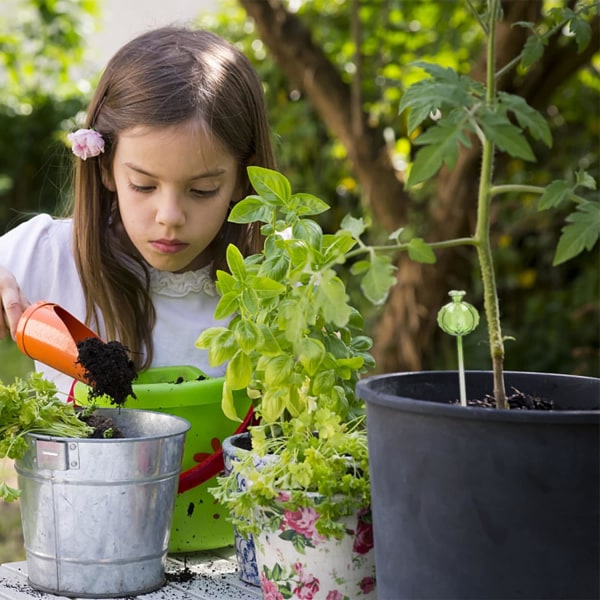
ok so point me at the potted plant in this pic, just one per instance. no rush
(297, 346)
(472, 502)
(97, 490)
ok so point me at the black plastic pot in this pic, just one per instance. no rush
(484, 503)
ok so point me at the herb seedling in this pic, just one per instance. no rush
(32, 406)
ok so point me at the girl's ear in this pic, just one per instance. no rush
(107, 179)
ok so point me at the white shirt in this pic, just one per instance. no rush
(39, 254)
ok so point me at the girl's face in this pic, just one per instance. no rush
(174, 186)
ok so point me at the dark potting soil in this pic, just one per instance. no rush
(108, 369)
(104, 427)
(181, 379)
(181, 575)
(516, 401)
(244, 442)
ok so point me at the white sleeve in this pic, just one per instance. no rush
(38, 253)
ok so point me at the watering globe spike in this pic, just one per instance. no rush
(48, 333)
(458, 318)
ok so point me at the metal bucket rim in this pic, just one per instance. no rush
(185, 426)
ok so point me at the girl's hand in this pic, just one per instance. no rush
(12, 304)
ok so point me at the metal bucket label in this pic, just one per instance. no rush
(56, 456)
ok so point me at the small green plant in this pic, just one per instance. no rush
(33, 406)
(298, 347)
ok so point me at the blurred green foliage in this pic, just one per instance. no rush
(552, 312)
(43, 85)
(12, 362)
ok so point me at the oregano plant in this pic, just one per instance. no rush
(297, 346)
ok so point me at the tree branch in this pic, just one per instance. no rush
(290, 43)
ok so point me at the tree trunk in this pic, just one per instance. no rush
(408, 321)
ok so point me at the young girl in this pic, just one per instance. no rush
(177, 117)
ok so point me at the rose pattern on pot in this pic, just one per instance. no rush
(295, 561)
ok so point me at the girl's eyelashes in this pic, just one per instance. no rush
(205, 193)
(146, 189)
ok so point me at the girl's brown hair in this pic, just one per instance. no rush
(164, 77)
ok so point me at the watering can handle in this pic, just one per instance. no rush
(213, 464)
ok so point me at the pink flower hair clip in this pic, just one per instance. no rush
(86, 143)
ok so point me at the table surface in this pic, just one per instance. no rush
(214, 577)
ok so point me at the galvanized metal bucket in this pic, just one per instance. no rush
(97, 513)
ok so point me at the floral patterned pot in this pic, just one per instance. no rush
(233, 447)
(297, 562)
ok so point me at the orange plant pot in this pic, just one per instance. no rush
(49, 334)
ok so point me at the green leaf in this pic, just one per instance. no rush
(226, 282)
(308, 204)
(7, 493)
(356, 227)
(222, 347)
(270, 346)
(273, 186)
(505, 135)
(265, 287)
(299, 252)
(251, 209)
(273, 404)
(445, 89)
(335, 246)
(292, 319)
(331, 299)
(442, 142)
(555, 194)
(239, 371)
(308, 230)
(312, 352)
(379, 279)
(275, 267)
(323, 382)
(581, 232)
(584, 179)
(29, 412)
(295, 402)
(228, 404)
(360, 266)
(532, 50)
(235, 261)
(582, 31)
(247, 334)
(347, 366)
(249, 301)
(420, 251)
(528, 117)
(227, 305)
